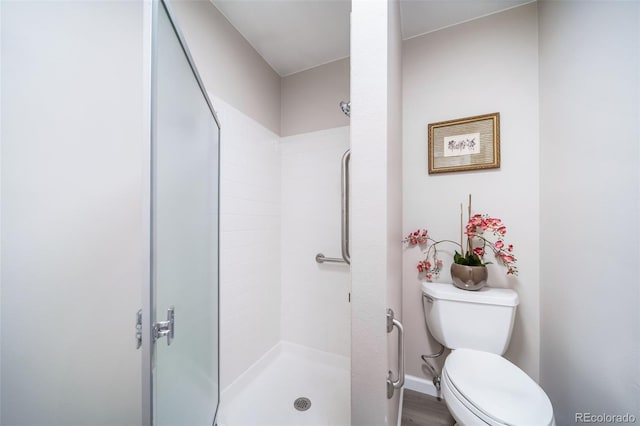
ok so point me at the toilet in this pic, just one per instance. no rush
(479, 386)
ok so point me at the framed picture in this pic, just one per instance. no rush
(470, 143)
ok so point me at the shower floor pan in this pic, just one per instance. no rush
(270, 393)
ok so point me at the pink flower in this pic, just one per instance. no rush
(424, 265)
(476, 219)
(499, 244)
(502, 230)
(507, 258)
(429, 277)
(479, 251)
(494, 222)
(510, 248)
(417, 237)
(471, 229)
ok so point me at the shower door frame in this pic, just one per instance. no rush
(150, 46)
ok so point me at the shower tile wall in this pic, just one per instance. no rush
(249, 241)
(280, 206)
(315, 306)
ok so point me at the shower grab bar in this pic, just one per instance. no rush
(399, 382)
(321, 258)
(346, 159)
(346, 256)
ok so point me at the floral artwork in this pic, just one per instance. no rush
(462, 144)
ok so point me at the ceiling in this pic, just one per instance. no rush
(295, 35)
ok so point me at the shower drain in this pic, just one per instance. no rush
(302, 404)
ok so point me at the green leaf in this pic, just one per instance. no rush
(459, 259)
(473, 259)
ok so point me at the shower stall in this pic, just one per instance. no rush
(301, 374)
(109, 219)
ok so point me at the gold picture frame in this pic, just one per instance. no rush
(471, 143)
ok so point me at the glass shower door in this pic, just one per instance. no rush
(185, 140)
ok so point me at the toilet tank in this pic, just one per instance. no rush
(481, 319)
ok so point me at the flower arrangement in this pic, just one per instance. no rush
(484, 233)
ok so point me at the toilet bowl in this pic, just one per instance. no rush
(479, 386)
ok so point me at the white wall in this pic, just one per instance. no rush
(373, 220)
(250, 290)
(73, 252)
(483, 66)
(310, 99)
(590, 192)
(227, 63)
(315, 297)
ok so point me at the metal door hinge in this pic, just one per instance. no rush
(165, 328)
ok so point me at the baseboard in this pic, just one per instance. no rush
(419, 384)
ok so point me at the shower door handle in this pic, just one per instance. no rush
(165, 328)
(399, 381)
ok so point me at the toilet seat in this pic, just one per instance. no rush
(495, 390)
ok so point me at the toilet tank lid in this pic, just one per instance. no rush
(486, 295)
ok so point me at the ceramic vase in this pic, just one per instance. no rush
(469, 277)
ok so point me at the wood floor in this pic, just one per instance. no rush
(424, 410)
